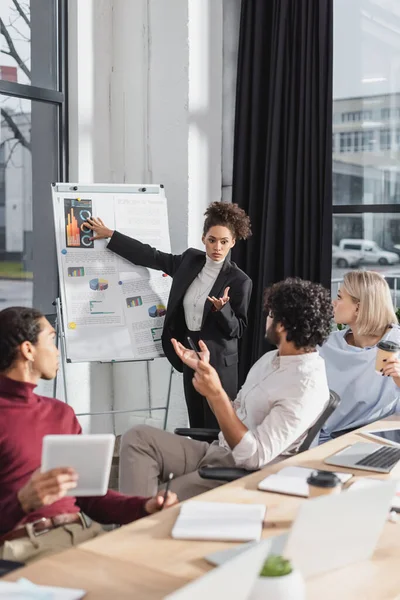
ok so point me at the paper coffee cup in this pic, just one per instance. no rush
(323, 483)
(385, 350)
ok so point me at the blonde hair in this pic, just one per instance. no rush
(372, 292)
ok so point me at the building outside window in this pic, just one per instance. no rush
(366, 172)
(32, 147)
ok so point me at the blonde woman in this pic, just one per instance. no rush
(364, 304)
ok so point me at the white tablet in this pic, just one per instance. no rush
(90, 456)
(390, 436)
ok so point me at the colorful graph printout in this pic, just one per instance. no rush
(76, 212)
(76, 272)
(98, 285)
(135, 301)
(157, 311)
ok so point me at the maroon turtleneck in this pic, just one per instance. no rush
(25, 418)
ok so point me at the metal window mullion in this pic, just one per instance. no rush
(62, 46)
(30, 92)
(365, 208)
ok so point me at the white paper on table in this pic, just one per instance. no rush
(234, 580)
(23, 589)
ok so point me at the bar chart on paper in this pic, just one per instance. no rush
(73, 236)
(76, 272)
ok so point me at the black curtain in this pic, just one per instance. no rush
(282, 173)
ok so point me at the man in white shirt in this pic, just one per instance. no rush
(283, 395)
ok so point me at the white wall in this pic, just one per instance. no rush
(145, 106)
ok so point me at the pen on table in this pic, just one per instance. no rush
(170, 477)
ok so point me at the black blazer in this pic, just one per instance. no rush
(220, 329)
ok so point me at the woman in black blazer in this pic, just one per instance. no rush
(208, 300)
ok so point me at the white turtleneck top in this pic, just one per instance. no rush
(196, 294)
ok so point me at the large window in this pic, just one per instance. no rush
(366, 134)
(32, 147)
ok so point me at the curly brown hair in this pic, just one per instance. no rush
(303, 308)
(228, 215)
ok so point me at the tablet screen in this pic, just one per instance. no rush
(389, 435)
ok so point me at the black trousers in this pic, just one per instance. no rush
(199, 411)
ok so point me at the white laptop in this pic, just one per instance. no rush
(90, 456)
(331, 531)
(366, 456)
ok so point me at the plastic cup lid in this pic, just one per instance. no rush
(323, 479)
(388, 346)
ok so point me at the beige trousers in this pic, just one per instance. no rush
(31, 548)
(148, 455)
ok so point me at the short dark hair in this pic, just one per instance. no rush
(17, 325)
(228, 215)
(303, 308)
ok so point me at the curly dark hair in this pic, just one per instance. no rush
(17, 325)
(228, 215)
(303, 308)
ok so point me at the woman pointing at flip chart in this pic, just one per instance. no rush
(208, 300)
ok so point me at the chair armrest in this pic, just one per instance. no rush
(202, 435)
(223, 473)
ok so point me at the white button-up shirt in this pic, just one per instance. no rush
(279, 401)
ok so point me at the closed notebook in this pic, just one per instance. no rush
(293, 481)
(219, 521)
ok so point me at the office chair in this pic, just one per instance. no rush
(233, 473)
(336, 434)
(199, 434)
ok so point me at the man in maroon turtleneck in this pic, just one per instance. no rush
(36, 516)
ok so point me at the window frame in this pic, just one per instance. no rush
(59, 99)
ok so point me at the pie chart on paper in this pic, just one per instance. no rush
(98, 285)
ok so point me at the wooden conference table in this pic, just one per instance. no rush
(141, 560)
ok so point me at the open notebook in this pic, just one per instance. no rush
(293, 481)
(219, 521)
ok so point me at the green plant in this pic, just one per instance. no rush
(276, 566)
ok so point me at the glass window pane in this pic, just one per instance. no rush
(28, 42)
(367, 241)
(28, 165)
(366, 107)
